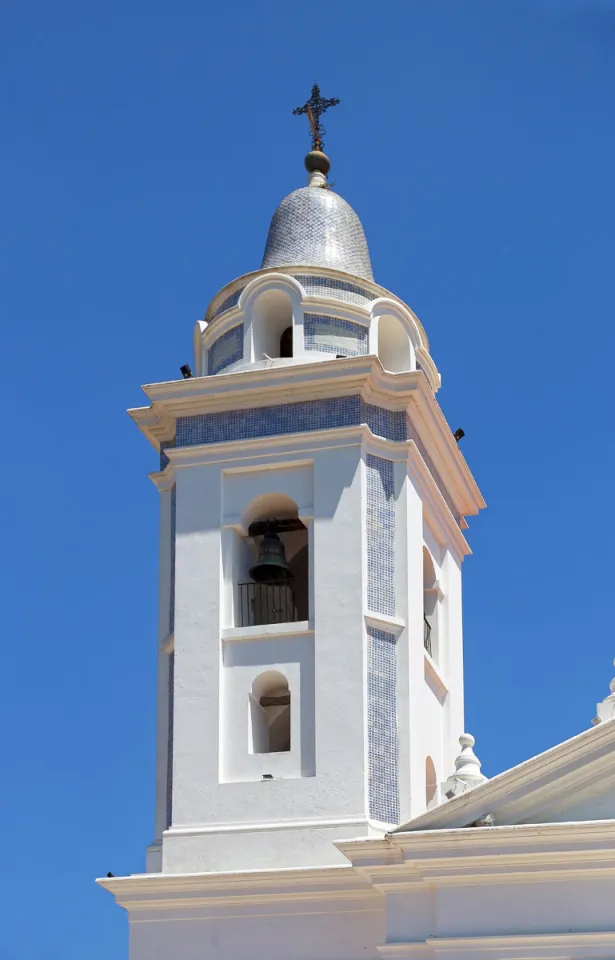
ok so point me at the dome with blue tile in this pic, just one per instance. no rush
(315, 227)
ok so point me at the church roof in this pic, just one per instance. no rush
(314, 226)
(573, 781)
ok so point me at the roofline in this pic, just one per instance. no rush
(463, 810)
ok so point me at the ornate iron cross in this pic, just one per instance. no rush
(315, 107)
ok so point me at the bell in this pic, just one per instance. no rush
(271, 563)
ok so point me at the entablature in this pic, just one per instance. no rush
(363, 378)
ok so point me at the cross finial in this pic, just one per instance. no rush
(315, 107)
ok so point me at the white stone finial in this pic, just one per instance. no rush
(606, 709)
(467, 773)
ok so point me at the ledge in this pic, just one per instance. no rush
(268, 631)
(380, 621)
(433, 679)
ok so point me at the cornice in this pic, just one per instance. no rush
(524, 854)
(363, 376)
(438, 514)
(176, 891)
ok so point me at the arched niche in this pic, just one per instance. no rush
(430, 605)
(272, 318)
(395, 350)
(270, 714)
(431, 784)
(280, 602)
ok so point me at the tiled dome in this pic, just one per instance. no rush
(315, 227)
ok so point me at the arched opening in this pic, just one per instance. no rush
(286, 343)
(394, 347)
(431, 783)
(270, 714)
(272, 563)
(272, 318)
(430, 605)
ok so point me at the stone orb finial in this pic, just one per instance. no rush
(317, 162)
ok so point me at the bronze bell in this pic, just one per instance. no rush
(271, 563)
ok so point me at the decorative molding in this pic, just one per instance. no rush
(361, 376)
(269, 631)
(380, 621)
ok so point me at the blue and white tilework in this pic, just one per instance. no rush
(380, 531)
(383, 752)
(268, 421)
(225, 350)
(289, 418)
(330, 335)
(172, 561)
(337, 289)
(165, 444)
(390, 424)
(171, 701)
(230, 301)
(313, 227)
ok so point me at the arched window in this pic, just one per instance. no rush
(272, 317)
(394, 347)
(430, 605)
(270, 714)
(431, 783)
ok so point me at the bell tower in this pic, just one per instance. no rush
(312, 516)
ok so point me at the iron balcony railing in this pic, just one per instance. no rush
(272, 601)
(427, 635)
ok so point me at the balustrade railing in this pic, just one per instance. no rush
(272, 601)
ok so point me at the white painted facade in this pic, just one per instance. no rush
(304, 756)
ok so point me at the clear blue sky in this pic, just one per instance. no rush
(145, 147)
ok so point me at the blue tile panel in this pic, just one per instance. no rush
(337, 289)
(165, 444)
(289, 418)
(380, 531)
(383, 746)
(330, 335)
(171, 701)
(313, 227)
(231, 301)
(172, 563)
(225, 350)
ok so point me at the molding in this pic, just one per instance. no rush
(201, 829)
(529, 853)
(268, 631)
(363, 376)
(515, 946)
(438, 514)
(267, 888)
(163, 480)
(263, 448)
(511, 947)
(380, 621)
